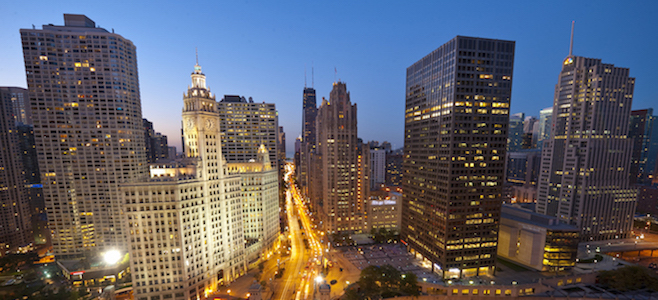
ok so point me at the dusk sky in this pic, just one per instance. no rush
(261, 49)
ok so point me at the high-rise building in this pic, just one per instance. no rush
(260, 202)
(545, 124)
(246, 126)
(335, 191)
(643, 130)
(515, 132)
(191, 209)
(307, 146)
(584, 178)
(530, 124)
(86, 109)
(19, 101)
(15, 214)
(394, 168)
(377, 167)
(456, 118)
(157, 147)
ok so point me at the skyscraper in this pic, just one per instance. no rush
(335, 191)
(246, 126)
(545, 124)
(310, 112)
(191, 209)
(643, 130)
(21, 106)
(377, 167)
(15, 214)
(84, 94)
(584, 178)
(515, 132)
(456, 118)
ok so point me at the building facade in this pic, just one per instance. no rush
(584, 178)
(86, 109)
(377, 167)
(310, 111)
(246, 126)
(335, 190)
(260, 202)
(186, 221)
(537, 241)
(456, 118)
(15, 212)
(515, 132)
(545, 124)
(643, 130)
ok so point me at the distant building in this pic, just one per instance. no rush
(20, 103)
(385, 210)
(15, 213)
(647, 200)
(308, 138)
(157, 147)
(515, 132)
(537, 241)
(643, 130)
(456, 121)
(246, 125)
(377, 167)
(584, 178)
(522, 173)
(544, 126)
(172, 152)
(394, 168)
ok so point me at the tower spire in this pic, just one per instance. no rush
(571, 42)
(197, 55)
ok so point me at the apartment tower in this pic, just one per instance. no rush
(456, 118)
(584, 177)
(15, 214)
(84, 97)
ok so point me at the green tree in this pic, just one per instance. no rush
(409, 284)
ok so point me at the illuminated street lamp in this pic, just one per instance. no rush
(112, 257)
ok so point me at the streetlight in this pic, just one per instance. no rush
(112, 257)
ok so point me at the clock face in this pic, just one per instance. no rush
(190, 123)
(209, 124)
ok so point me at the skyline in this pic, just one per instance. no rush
(273, 45)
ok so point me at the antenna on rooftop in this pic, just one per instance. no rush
(571, 43)
(312, 77)
(304, 75)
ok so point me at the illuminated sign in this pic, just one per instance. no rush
(568, 61)
(77, 273)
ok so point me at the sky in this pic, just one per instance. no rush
(269, 49)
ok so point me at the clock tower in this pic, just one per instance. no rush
(201, 128)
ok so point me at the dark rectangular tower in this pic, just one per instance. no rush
(456, 118)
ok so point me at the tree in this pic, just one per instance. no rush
(409, 284)
(628, 278)
(383, 282)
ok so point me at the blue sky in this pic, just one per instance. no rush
(260, 49)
